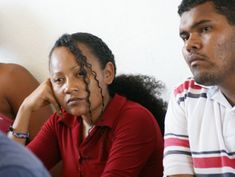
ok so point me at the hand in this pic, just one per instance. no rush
(41, 96)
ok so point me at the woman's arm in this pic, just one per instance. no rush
(18, 84)
(39, 98)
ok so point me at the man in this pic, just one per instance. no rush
(200, 121)
(16, 161)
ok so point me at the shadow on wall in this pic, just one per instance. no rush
(24, 39)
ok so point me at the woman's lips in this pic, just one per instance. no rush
(75, 101)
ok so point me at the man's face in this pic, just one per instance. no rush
(209, 44)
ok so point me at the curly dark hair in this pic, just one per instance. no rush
(139, 88)
(145, 90)
(223, 7)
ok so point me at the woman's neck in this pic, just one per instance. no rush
(86, 128)
(96, 113)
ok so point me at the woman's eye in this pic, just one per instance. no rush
(58, 80)
(81, 74)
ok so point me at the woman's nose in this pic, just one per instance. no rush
(71, 86)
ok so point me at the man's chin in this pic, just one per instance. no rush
(205, 80)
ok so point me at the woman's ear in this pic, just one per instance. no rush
(109, 73)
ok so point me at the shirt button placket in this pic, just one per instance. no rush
(79, 164)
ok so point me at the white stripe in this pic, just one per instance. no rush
(213, 155)
(214, 170)
(175, 136)
(176, 148)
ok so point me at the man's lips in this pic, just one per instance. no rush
(195, 59)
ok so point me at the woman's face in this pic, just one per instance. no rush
(69, 86)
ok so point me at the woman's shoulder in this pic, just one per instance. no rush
(136, 119)
(136, 112)
(135, 107)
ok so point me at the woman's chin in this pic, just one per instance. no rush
(77, 111)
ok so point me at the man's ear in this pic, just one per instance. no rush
(109, 73)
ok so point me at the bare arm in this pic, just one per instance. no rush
(39, 98)
(19, 84)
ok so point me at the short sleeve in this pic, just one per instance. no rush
(177, 156)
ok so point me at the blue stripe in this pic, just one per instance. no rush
(191, 95)
(177, 152)
(170, 134)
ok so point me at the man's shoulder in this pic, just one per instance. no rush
(16, 155)
(18, 171)
(189, 85)
(190, 90)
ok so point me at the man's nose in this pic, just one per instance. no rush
(193, 43)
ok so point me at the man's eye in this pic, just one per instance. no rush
(206, 29)
(184, 36)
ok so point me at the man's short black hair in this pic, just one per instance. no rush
(223, 7)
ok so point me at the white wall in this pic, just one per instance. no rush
(143, 34)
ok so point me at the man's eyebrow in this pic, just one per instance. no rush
(195, 25)
(200, 23)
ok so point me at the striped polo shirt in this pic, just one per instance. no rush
(199, 132)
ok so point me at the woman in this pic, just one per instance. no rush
(95, 131)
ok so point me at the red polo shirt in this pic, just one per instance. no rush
(126, 142)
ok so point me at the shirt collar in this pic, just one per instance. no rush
(109, 116)
(112, 111)
(215, 94)
(67, 119)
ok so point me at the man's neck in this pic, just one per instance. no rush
(229, 93)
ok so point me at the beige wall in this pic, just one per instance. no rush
(142, 34)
